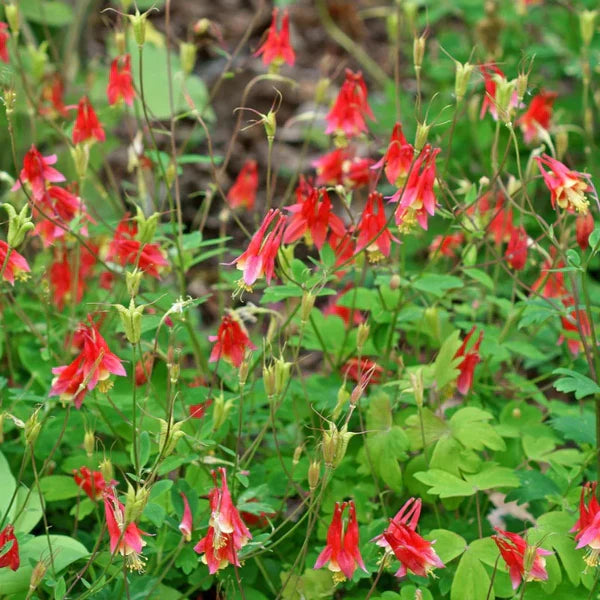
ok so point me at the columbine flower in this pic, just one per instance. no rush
(312, 216)
(126, 538)
(587, 527)
(232, 341)
(516, 251)
(120, 83)
(143, 368)
(469, 361)
(348, 114)
(537, 116)
(4, 37)
(567, 188)
(52, 103)
(16, 265)
(574, 321)
(125, 249)
(524, 562)
(259, 257)
(243, 192)
(276, 48)
(397, 158)
(356, 368)
(490, 74)
(330, 167)
(551, 282)
(186, 520)
(417, 199)
(94, 365)
(62, 279)
(37, 172)
(373, 233)
(584, 225)
(87, 126)
(226, 533)
(91, 482)
(341, 550)
(446, 245)
(9, 557)
(400, 538)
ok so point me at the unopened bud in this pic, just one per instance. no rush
(308, 301)
(138, 22)
(89, 442)
(297, 455)
(170, 174)
(39, 60)
(244, 370)
(521, 86)
(321, 89)
(362, 335)
(12, 16)
(314, 474)
(146, 226)
(37, 575)
(135, 502)
(421, 136)
(10, 99)
(132, 281)
(132, 321)
(120, 42)
(168, 437)
(187, 54)
(221, 410)
(461, 79)
(395, 281)
(342, 397)
(504, 93)
(418, 52)
(516, 413)
(416, 380)
(334, 444)
(32, 428)
(587, 25)
(18, 224)
(282, 375)
(269, 380)
(202, 26)
(106, 468)
(81, 158)
(270, 123)
(174, 368)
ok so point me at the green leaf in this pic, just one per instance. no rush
(575, 382)
(443, 484)
(445, 366)
(58, 487)
(580, 429)
(534, 486)
(65, 550)
(437, 284)
(144, 448)
(448, 545)
(9, 485)
(27, 505)
(493, 476)
(471, 580)
(53, 14)
(470, 427)
(480, 276)
(160, 487)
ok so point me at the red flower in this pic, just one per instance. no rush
(4, 37)
(417, 200)
(343, 248)
(232, 341)
(567, 188)
(537, 116)
(143, 368)
(584, 225)
(357, 172)
(120, 83)
(588, 524)
(490, 72)
(197, 411)
(341, 551)
(397, 158)
(311, 216)
(355, 369)
(62, 278)
(37, 172)
(330, 167)
(52, 94)
(414, 553)
(469, 361)
(126, 540)
(186, 525)
(516, 251)
(226, 534)
(446, 245)
(125, 249)
(575, 324)
(348, 114)
(259, 257)
(9, 557)
(87, 126)
(551, 282)
(513, 549)
(373, 233)
(91, 482)
(94, 365)
(276, 48)
(243, 191)
(15, 266)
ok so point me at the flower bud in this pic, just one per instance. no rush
(202, 26)
(342, 397)
(81, 158)
(174, 368)
(37, 575)
(321, 89)
(421, 136)
(135, 502)
(10, 98)
(132, 281)
(170, 174)
(308, 301)
(587, 25)
(168, 437)
(106, 468)
(314, 474)
(18, 224)
(334, 444)
(138, 22)
(89, 442)
(187, 54)
(39, 60)
(418, 52)
(32, 428)
(521, 86)
(461, 79)
(146, 226)
(132, 321)
(416, 380)
(395, 281)
(244, 370)
(269, 380)
(516, 413)
(270, 123)
(120, 42)
(297, 455)
(362, 335)
(282, 375)
(12, 16)
(504, 92)
(221, 410)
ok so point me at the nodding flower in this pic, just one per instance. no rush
(14, 266)
(243, 192)
(87, 126)
(373, 233)
(470, 359)
(277, 48)
(37, 172)
(120, 82)
(9, 557)
(537, 116)
(397, 158)
(232, 341)
(587, 527)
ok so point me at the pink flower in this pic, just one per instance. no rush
(277, 48)
(15, 266)
(373, 233)
(469, 361)
(397, 158)
(588, 524)
(584, 225)
(227, 534)
(446, 245)
(120, 83)
(232, 341)
(567, 188)
(37, 172)
(259, 258)
(341, 551)
(186, 520)
(348, 113)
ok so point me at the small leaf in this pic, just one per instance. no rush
(575, 382)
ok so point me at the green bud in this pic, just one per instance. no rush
(89, 442)
(314, 474)
(135, 502)
(308, 301)
(39, 59)
(32, 428)
(146, 226)
(270, 123)
(221, 410)
(362, 335)
(138, 22)
(421, 136)
(81, 158)
(282, 375)
(187, 54)
(334, 445)
(343, 396)
(106, 468)
(461, 79)
(416, 380)
(297, 455)
(132, 280)
(321, 89)
(418, 52)
(469, 255)
(132, 321)
(587, 25)
(521, 85)
(18, 224)
(168, 437)
(12, 16)
(269, 380)
(10, 99)
(120, 42)
(504, 93)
